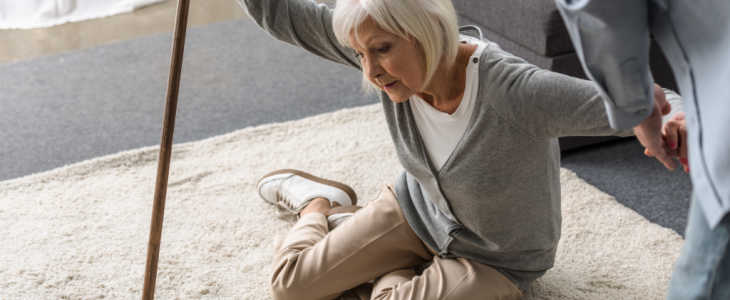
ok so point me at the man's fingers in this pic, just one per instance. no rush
(661, 99)
(656, 148)
(666, 109)
(649, 134)
(666, 160)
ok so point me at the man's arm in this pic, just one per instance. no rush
(612, 41)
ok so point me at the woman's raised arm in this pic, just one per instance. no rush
(302, 23)
(546, 103)
(542, 102)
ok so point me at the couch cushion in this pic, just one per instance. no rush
(565, 63)
(534, 24)
(568, 63)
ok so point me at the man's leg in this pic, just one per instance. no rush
(446, 279)
(703, 268)
(721, 284)
(315, 264)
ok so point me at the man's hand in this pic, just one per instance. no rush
(649, 131)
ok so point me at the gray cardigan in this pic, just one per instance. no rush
(497, 198)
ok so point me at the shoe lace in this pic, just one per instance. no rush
(281, 199)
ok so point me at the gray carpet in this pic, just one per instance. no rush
(83, 104)
(71, 107)
(641, 183)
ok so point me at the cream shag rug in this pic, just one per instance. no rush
(80, 232)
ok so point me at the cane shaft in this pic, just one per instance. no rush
(163, 164)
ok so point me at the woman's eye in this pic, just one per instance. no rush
(384, 49)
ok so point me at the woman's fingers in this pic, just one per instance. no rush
(671, 136)
(683, 149)
(675, 133)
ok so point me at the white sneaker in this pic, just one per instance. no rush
(292, 190)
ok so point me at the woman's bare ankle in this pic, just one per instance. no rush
(342, 209)
(317, 205)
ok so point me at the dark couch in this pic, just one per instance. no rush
(534, 30)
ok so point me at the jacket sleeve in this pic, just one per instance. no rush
(302, 23)
(611, 39)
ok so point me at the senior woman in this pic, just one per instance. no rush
(476, 214)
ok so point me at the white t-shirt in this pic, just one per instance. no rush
(440, 131)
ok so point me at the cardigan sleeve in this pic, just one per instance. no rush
(542, 102)
(302, 23)
(546, 103)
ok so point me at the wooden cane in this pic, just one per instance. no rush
(163, 163)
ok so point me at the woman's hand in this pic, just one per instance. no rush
(674, 134)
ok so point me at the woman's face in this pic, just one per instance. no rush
(393, 64)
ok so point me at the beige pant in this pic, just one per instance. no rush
(375, 246)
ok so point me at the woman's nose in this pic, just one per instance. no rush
(373, 70)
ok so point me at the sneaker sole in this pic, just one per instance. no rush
(346, 188)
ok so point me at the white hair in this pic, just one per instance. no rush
(432, 23)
